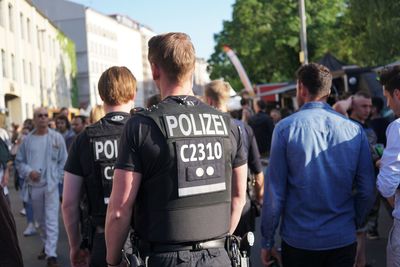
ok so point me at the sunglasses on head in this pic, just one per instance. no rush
(42, 115)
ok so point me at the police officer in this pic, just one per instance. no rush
(180, 175)
(90, 165)
(217, 95)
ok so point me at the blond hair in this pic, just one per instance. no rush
(174, 53)
(96, 113)
(117, 86)
(218, 91)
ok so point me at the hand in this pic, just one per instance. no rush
(34, 176)
(79, 257)
(266, 255)
(6, 178)
(378, 163)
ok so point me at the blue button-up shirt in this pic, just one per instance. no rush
(320, 180)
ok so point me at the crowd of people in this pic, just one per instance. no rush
(179, 179)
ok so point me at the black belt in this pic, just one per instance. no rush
(191, 246)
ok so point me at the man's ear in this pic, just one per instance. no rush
(303, 92)
(396, 94)
(155, 70)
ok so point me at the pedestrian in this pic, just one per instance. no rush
(262, 126)
(40, 161)
(320, 180)
(389, 174)
(180, 168)
(10, 253)
(217, 95)
(89, 169)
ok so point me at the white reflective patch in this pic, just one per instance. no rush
(199, 172)
(117, 118)
(106, 200)
(202, 189)
(210, 171)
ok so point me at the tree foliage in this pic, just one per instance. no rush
(265, 36)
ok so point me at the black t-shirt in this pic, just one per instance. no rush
(263, 127)
(143, 148)
(379, 125)
(80, 158)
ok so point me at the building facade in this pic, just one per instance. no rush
(37, 61)
(103, 41)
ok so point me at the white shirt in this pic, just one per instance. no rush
(389, 173)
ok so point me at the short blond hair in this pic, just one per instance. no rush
(117, 86)
(174, 53)
(218, 91)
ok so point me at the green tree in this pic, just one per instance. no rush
(372, 31)
(265, 36)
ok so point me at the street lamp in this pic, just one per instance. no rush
(303, 33)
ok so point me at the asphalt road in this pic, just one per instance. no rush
(31, 246)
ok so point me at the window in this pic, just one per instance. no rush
(24, 71)
(21, 23)
(13, 72)
(10, 17)
(3, 63)
(1, 13)
(31, 73)
(28, 29)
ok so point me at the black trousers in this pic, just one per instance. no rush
(98, 252)
(203, 258)
(339, 257)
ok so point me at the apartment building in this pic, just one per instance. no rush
(37, 61)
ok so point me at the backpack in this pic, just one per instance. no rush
(5, 155)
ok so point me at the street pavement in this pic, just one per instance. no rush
(31, 246)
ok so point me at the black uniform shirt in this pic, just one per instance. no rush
(143, 148)
(80, 159)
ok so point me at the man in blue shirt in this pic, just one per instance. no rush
(320, 180)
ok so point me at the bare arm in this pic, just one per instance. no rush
(343, 106)
(119, 212)
(70, 211)
(259, 186)
(239, 180)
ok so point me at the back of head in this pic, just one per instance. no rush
(390, 78)
(261, 104)
(316, 78)
(117, 86)
(218, 91)
(174, 53)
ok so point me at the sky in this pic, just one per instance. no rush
(201, 19)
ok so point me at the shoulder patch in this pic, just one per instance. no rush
(117, 118)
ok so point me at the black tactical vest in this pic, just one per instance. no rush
(198, 179)
(104, 139)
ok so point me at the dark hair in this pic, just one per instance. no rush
(364, 94)
(390, 78)
(174, 53)
(81, 117)
(244, 101)
(378, 103)
(261, 104)
(63, 118)
(153, 100)
(317, 78)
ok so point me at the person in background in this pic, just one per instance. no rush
(78, 124)
(10, 253)
(40, 161)
(96, 114)
(389, 173)
(216, 94)
(320, 183)
(276, 115)
(262, 125)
